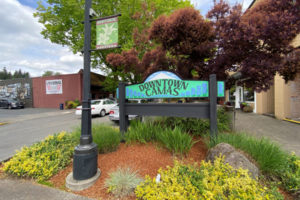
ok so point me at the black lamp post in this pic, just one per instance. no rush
(86, 153)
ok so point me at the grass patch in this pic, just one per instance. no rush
(106, 137)
(267, 154)
(175, 140)
(142, 132)
(122, 182)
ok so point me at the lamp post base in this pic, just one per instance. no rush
(85, 161)
(76, 185)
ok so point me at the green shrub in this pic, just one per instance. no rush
(43, 159)
(72, 104)
(106, 137)
(209, 181)
(290, 177)
(122, 182)
(267, 154)
(248, 109)
(175, 140)
(272, 160)
(195, 126)
(142, 132)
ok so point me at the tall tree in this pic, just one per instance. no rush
(255, 43)
(62, 20)
(4, 74)
(50, 73)
(181, 42)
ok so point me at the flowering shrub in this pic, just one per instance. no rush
(42, 159)
(209, 181)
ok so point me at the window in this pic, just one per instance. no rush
(95, 102)
(248, 94)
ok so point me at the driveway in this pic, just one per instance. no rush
(29, 125)
(286, 134)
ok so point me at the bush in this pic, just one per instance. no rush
(290, 177)
(209, 181)
(106, 137)
(248, 109)
(273, 161)
(195, 126)
(72, 104)
(142, 132)
(122, 182)
(43, 159)
(175, 140)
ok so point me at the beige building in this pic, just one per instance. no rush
(282, 100)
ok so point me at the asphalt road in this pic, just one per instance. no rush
(26, 126)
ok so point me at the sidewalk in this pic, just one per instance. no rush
(286, 134)
(26, 190)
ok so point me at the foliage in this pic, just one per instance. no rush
(4, 74)
(209, 181)
(268, 155)
(180, 42)
(290, 176)
(42, 159)
(122, 182)
(106, 137)
(72, 104)
(50, 73)
(273, 161)
(195, 126)
(256, 42)
(62, 25)
(248, 108)
(142, 132)
(175, 140)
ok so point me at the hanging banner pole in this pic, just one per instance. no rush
(85, 158)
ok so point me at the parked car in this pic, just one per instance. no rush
(114, 112)
(98, 107)
(11, 103)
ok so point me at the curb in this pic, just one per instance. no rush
(293, 121)
(3, 123)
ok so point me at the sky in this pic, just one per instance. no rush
(23, 47)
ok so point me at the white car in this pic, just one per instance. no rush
(99, 107)
(114, 112)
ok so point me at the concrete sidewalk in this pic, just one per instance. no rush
(11, 189)
(286, 134)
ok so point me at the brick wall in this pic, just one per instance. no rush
(71, 90)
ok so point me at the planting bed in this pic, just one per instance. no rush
(146, 159)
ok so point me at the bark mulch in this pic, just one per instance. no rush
(145, 158)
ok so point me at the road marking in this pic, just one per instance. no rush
(3, 123)
(289, 120)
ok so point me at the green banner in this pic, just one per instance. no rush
(107, 33)
(171, 88)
